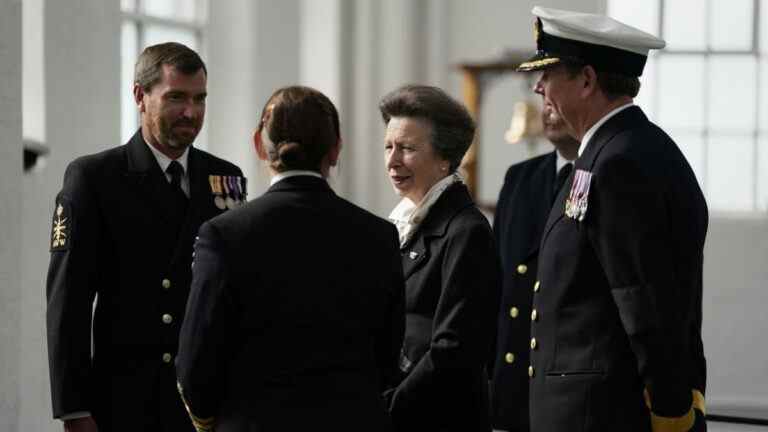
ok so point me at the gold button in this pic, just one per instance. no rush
(167, 357)
(166, 283)
(534, 344)
(522, 269)
(530, 371)
(536, 286)
(534, 315)
(509, 358)
(513, 312)
(167, 318)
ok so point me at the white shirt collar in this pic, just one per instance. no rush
(407, 215)
(596, 126)
(293, 173)
(164, 160)
(560, 162)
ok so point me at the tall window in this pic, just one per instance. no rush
(148, 22)
(709, 90)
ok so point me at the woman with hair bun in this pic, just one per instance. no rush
(295, 317)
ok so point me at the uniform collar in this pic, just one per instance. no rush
(164, 160)
(596, 126)
(560, 162)
(293, 173)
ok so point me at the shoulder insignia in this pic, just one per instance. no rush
(62, 226)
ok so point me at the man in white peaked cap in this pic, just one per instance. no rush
(616, 319)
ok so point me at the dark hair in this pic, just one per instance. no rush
(303, 124)
(453, 129)
(613, 84)
(149, 65)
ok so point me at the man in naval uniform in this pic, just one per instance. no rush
(523, 206)
(123, 228)
(616, 321)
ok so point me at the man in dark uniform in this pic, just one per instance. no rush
(616, 321)
(523, 206)
(123, 227)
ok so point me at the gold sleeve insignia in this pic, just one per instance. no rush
(62, 226)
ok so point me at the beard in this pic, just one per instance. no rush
(177, 138)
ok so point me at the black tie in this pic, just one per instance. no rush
(562, 176)
(179, 197)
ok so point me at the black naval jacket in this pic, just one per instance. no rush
(295, 319)
(452, 286)
(521, 212)
(618, 296)
(122, 241)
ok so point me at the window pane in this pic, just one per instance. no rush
(128, 5)
(730, 172)
(643, 15)
(732, 93)
(730, 24)
(129, 119)
(762, 173)
(681, 84)
(692, 146)
(154, 34)
(763, 124)
(183, 10)
(762, 28)
(684, 27)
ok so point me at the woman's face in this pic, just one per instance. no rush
(412, 164)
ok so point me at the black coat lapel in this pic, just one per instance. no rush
(622, 121)
(414, 255)
(200, 198)
(415, 251)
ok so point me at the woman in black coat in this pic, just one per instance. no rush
(449, 262)
(295, 317)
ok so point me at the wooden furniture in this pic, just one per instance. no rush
(477, 77)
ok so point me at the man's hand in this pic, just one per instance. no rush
(83, 424)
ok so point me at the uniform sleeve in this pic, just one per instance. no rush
(465, 318)
(206, 334)
(631, 237)
(390, 338)
(73, 276)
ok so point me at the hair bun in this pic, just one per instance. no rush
(290, 153)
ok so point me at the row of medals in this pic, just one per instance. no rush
(229, 192)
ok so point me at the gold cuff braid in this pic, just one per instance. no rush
(200, 424)
(676, 424)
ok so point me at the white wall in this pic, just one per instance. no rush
(81, 115)
(735, 321)
(10, 211)
(253, 49)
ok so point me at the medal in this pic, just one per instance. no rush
(218, 200)
(230, 203)
(243, 183)
(578, 197)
